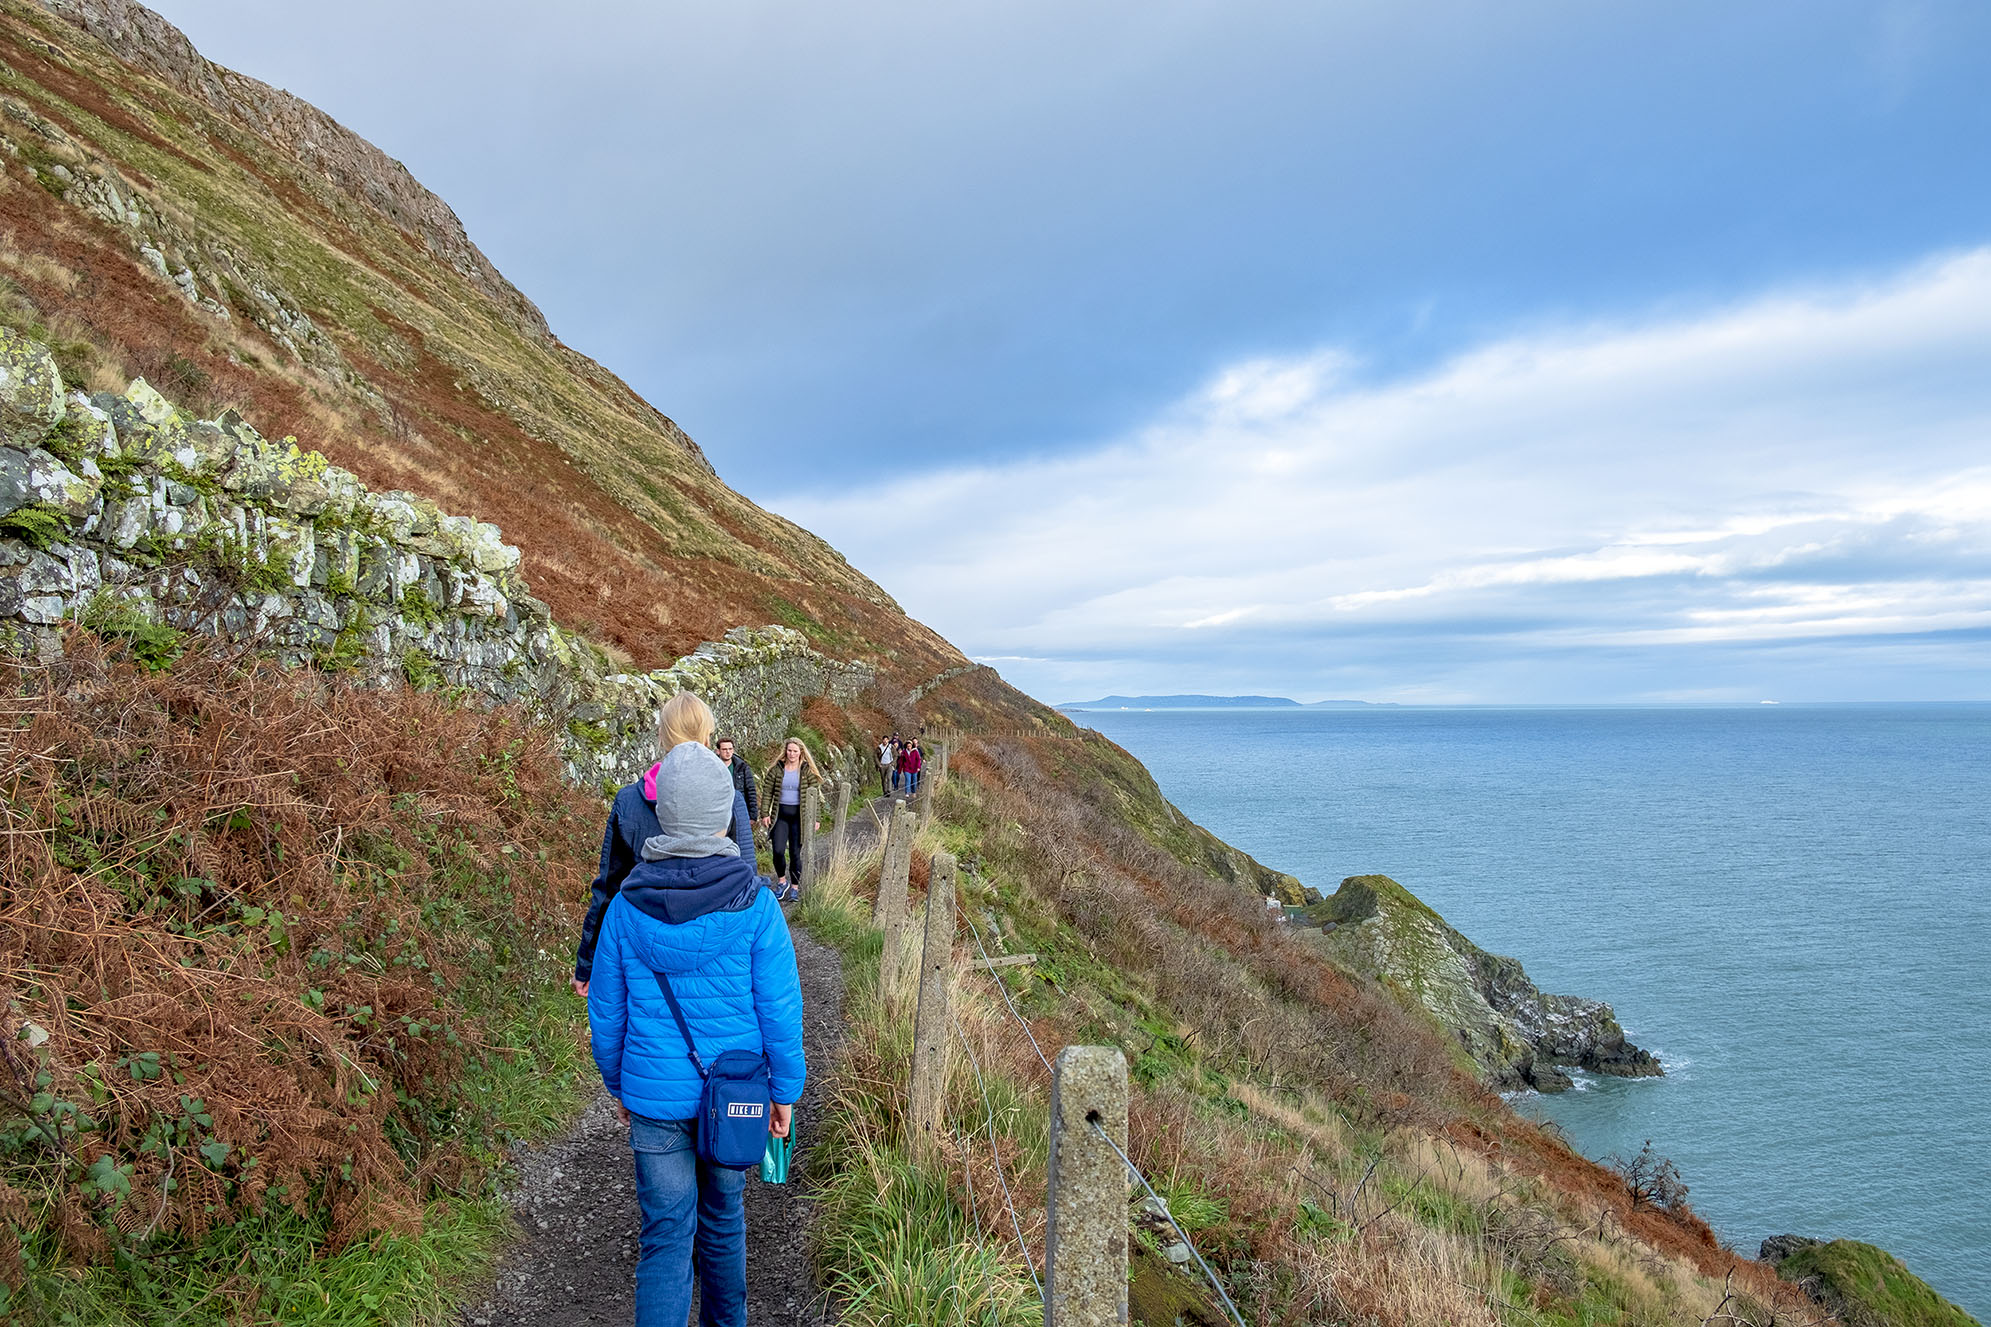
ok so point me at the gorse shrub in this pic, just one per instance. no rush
(271, 951)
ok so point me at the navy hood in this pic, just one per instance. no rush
(676, 890)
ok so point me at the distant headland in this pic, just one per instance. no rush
(1219, 703)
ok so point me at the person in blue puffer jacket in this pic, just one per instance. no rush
(695, 911)
(633, 819)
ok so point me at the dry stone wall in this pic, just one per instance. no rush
(127, 514)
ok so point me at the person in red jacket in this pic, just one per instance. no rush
(909, 767)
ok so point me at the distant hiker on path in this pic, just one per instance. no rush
(786, 786)
(692, 925)
(742, 831)
(633, 819)
(910, 762)
(888, 761)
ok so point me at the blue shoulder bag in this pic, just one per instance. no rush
(733, 1115)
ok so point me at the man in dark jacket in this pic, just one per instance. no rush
(743, 782)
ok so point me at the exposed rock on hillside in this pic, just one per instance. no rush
(358, 169)
(1862, 1285)
(1516, 1034)
(129, 514)
(236, 247)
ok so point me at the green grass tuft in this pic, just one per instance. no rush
(1875, 1287)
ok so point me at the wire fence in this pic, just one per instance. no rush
(1180, 1233)
(928, 1105)
(1002, 987)
(988, 966)
(995, 1156)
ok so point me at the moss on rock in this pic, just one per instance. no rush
(1863, 1285)
(30, 390)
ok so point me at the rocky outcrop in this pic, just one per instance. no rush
(1861, 1285)
(125, 513)
(358, 170)
(1519, 1036)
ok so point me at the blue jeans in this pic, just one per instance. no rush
(912, 781)
(688, 1208)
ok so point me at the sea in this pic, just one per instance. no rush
(1790, 905)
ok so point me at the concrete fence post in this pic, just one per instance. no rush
(943, 758)
(812, 811)
(927, 1121)
(895, 871)
(842, 827)
(899, 956)
(1085, 1249)
(925, 796)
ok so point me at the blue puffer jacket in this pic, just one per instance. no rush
(708, 924)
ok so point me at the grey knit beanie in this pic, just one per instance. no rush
(694, 792)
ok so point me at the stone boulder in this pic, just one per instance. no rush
(1518, 1035)
(34, 478)
(30, 390)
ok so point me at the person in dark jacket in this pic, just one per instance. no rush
(743, 780)
(632, 819)
(693, 912)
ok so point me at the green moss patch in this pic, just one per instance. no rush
(1872, 1287)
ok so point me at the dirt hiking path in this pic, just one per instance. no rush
(575, 1203)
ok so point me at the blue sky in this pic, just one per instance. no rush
(1449, 352)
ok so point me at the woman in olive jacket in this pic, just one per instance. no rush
(784, 791)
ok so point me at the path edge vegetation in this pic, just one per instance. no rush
(285, 988)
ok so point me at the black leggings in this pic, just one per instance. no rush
(786, 843)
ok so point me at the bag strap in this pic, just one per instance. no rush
(677, 1012)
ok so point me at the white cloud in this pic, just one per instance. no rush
(1809, 465)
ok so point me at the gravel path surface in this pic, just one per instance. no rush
(575, 1203)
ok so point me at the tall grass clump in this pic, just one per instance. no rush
(895, 1241)
(281, 965)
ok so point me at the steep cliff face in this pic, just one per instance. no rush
(348, 163)
(1516, 1034)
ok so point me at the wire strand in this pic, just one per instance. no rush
(995, 1155)
(988, 967)
(968, 1181)
(1187, 1243)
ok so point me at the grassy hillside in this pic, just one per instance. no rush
(1320, 1141)
(329, 296)
(1869, 1287)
